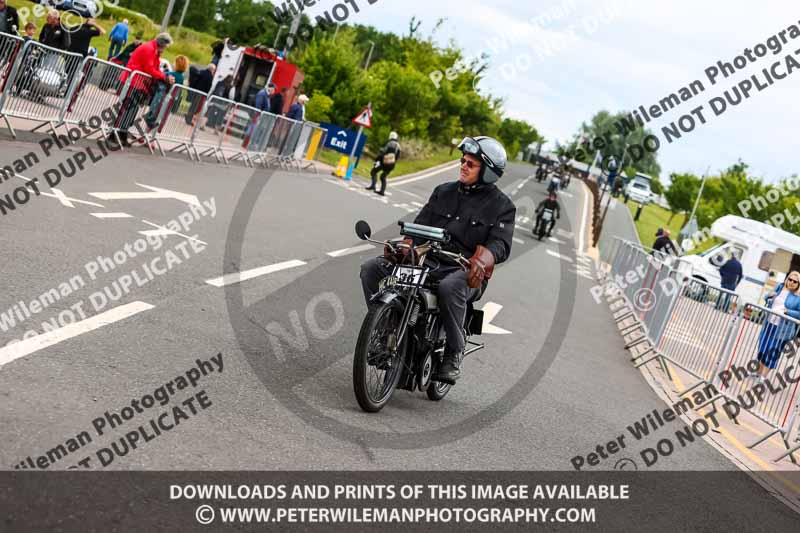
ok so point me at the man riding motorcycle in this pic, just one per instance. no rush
(480, 220)
(550, 203)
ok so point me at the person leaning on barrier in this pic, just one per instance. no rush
(81, 36)
(144, 59)
(263, 98)
(480, 220)
(53, 34)
(9, 19)
(384, 163)
(776, 332)
(276, 102)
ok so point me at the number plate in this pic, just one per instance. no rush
(409, 276)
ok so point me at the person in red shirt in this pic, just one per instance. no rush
(144, 66)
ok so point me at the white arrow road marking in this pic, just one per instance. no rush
(348, 251)
(34, 344)
(238, 277)
(559, 256)
(156, 194)
(66, 200)
(111, 215)
(161, 231)
(490, 311)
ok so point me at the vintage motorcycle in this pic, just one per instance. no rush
(543, 222)
(402, 338)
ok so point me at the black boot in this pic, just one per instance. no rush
(450, 369)
(371, 187)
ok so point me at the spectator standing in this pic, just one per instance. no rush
(199, 80)
(123, 57)
(181, 63)
(81, 36)
(118, 37)
(730, 275)
(276, 102)
(53, 34)
(263, 98)
(298, 109)
(776, 331)
(144, 59)
(9, 19)
(216, 111)
(385, 162)
(30, 31)
(663, 244)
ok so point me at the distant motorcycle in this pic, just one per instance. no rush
(402, 338)
(543, 221)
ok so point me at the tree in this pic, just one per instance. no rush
(605, 133)
(681, 193)
(656, 186)
(318, 108)
(516, 134)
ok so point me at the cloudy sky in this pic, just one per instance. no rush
(557, 62)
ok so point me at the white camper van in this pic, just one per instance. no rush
(767, 254)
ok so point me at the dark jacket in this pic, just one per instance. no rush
(480, 214)
(12, 19)
(276, 104)
(730, 274)
(125, 56)
(200, 80)
(664, 245)
(55, 36)
(549, 204)
(295, 112)
(391, 147)
(262, 101)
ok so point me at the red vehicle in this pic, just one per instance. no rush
(253, 68)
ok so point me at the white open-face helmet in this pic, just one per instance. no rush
(393, 136)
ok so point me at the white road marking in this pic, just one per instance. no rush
(238, 277)
(67, 201)
(410, 194)
(157, 193)
(567, 194)
(162, 231)
(522, 227)
(352, 250)
(490, 310)
(418, 204)
(517, 240)
(34, 344)
(111, 215)
(559, 256)
(564, 233)
(553, 239)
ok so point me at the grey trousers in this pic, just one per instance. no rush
(453, 296)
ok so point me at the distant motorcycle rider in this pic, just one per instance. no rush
(551, 203)
(385, 162)
(480, 220)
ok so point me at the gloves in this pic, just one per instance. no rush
(481, 267)
(400, 254)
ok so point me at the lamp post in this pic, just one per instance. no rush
(278, 36)
(369, 56)
(167, 15)
(183, 14)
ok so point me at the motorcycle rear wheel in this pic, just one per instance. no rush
(437, 390)
(373, 390)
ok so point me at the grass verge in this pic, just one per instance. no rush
(653, 217)
(403, 167)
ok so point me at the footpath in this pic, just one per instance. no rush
(780, 478)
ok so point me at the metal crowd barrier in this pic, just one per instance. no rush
(97, 90)
(240, 124)
(708, 333)
(10, 46)
(210, 123)
(260, 137)
(39, 85)
(134, 106)
(178, 116)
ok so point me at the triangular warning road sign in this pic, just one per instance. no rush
(364, 118)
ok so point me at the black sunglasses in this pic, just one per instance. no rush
(792, 280)
(470, 164)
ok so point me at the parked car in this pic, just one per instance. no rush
(84, 8)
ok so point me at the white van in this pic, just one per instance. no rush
(767, 254)
(638, 189)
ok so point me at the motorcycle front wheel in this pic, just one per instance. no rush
(378, 360)
(437, 390)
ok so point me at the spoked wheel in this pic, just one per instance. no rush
(378, 360)
(437, 390)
